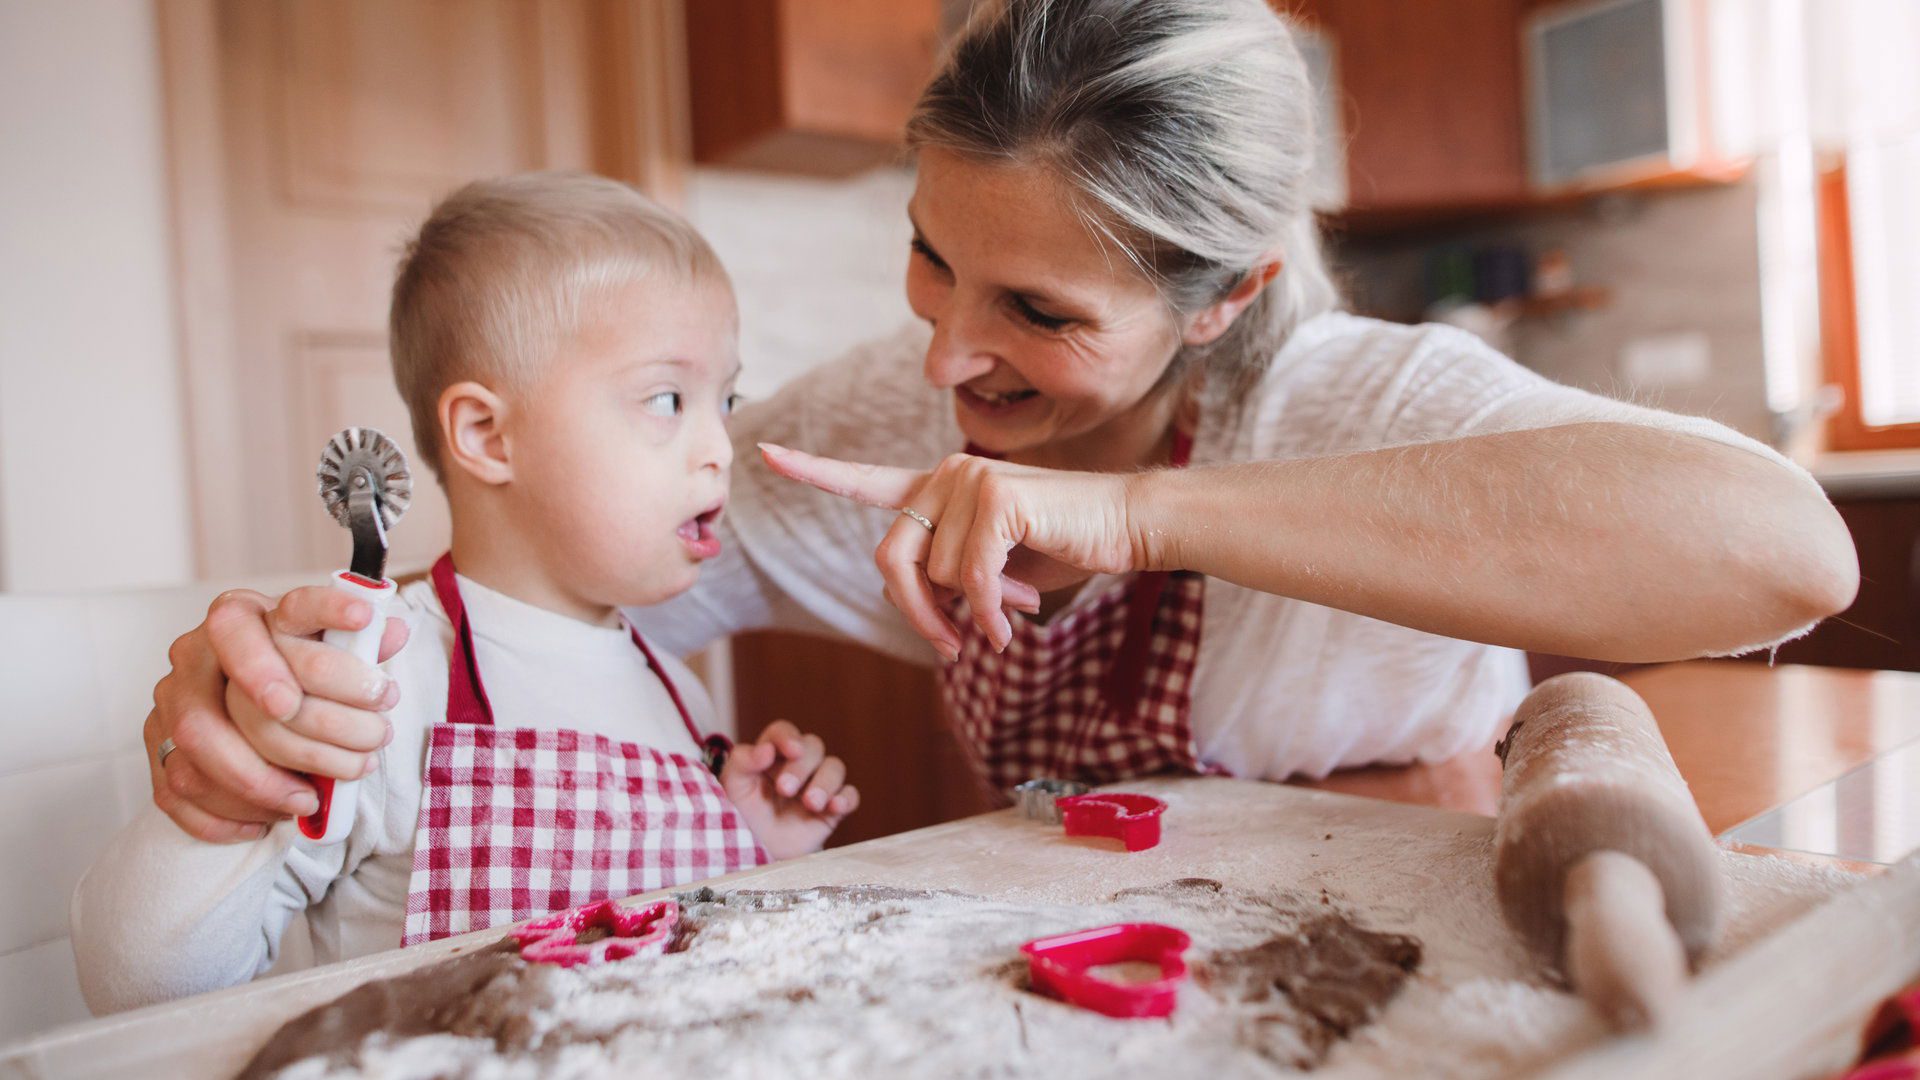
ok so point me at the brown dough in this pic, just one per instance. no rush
(1336, 974)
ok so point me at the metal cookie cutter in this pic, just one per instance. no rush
(1037, 797)
(1134, 820)
(569, 938)
(1059, 967)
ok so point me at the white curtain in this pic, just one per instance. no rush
(1864, 94)
(1795, 83)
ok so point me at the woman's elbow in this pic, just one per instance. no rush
(1832, 579)
(1814, 571)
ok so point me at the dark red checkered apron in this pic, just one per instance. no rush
(1102, 692)
(518, 822)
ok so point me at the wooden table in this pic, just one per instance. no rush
(1749, 738)
(1413, 870)
(1746, 737)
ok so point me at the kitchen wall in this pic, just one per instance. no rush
(1676, 262)
(93, 477)
(819, 265)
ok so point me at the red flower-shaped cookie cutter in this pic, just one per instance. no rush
(629, 932)
(1059, 967)
(1134, 820)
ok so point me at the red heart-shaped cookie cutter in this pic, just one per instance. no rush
(629, 932)
(1058, 967)
(1134, 820)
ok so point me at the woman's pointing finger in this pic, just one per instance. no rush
(874, 485)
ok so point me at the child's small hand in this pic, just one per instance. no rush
(792, 794)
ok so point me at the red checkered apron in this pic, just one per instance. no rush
(518, 822)
(1100, 693)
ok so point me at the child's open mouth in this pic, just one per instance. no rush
(697, 533)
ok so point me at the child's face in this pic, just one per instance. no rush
(620, 450)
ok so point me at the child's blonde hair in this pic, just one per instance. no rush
(501, 273)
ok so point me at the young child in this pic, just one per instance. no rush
(567, 351)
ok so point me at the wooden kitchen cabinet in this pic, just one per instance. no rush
(1430, 97)
(882, 717)
(1433, 99)
(810, 86)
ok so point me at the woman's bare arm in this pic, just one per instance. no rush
(1609, 541)
(1601, 540)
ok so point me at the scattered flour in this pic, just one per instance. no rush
(856, 980)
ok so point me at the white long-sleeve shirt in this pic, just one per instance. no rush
(1282, 687)
(161, 915)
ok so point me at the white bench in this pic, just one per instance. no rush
(78, 682)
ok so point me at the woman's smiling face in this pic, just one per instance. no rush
(1045, 332)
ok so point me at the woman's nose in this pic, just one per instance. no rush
(955, 356)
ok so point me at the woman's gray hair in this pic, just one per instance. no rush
(1186, 126)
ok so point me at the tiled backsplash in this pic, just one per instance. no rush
(1675, 262)
(819, 266)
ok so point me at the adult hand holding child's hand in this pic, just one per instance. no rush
(294, 702)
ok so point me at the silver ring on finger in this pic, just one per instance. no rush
(166, 747)
(918, 516)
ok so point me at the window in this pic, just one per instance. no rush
(1870, 225)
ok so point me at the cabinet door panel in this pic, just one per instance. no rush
(306, 139)
(1432, 100)
(807, 86)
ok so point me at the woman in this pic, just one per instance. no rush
(1202, 520)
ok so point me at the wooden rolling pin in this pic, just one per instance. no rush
(1601, 859)
(1792, 1005)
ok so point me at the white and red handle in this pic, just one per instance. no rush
(331, 823)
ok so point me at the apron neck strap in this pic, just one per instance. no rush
(666, 681)
(1182, 448)
(467, 694)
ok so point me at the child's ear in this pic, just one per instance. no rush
(472, 417)
(1212, 321)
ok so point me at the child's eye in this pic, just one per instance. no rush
(666, 403)
(731, 404)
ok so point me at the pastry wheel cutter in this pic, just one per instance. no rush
(365, 485)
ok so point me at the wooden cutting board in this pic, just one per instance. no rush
(1479, 1005)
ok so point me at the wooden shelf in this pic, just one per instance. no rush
(1578, 298)
(1369, 222)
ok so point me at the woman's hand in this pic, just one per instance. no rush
(252, 697)
(1002, 533)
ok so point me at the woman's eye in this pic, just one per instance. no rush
(731, 404)
(666, 403)
(1037, 318)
